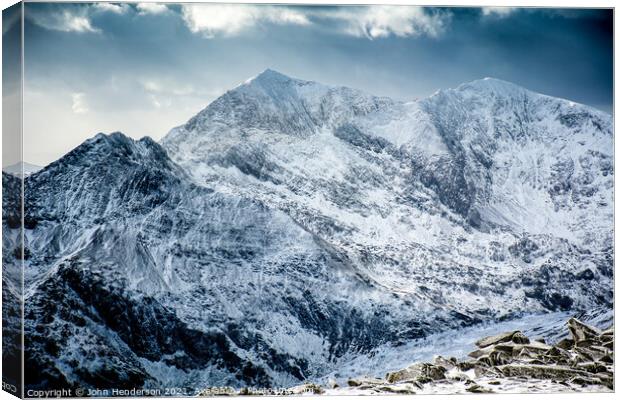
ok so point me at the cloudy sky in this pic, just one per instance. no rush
(145, 68)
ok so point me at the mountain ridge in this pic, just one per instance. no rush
(287, 229)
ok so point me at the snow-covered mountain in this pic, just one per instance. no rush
(487, 178)
(290, 225)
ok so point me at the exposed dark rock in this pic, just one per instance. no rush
(538, 371)
(421, 372)
(514, 336)
(395, 390)
(565, 343)
(581, 331)
(445, 362)
(365, 380)
(475, 388)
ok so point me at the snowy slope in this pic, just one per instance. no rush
(134, 254)
(488, 178)
(291, 227)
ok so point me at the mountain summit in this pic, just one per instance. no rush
(270, 77)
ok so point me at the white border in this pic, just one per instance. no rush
(521, 3)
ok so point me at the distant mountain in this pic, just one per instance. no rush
(16, 169)
(291, 225)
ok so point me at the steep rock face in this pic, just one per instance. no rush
(518, 149)
(291, 224)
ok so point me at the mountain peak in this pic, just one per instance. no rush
(494, 85)
(270, 76)
(111, 148)
(113, 137)
(267, 100)
(272, 73)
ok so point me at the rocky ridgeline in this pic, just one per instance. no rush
(508, 362)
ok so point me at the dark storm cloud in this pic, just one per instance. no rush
(565, 53)
(146, 70)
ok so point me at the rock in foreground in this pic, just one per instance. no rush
(508, 362)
